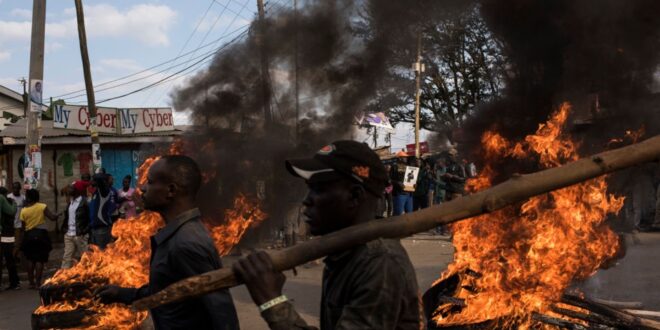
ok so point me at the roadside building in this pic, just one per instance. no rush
(127, 137)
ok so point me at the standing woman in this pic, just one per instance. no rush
(36, 244)
(126, 200)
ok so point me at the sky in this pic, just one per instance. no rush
(131, 44)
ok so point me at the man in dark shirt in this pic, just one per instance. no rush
(371, 286)
(101, 208)
(8, 247)
(454, 176)
(181, 249)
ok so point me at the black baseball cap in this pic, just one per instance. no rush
(343, 159)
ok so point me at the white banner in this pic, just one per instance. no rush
(77, 118)
(145, 120)
(377, 119)
(111, 120)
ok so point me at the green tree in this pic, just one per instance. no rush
(464, 68)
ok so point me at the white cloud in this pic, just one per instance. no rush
(4, 56)
(146, 23)
(22, 13)
(11, 31)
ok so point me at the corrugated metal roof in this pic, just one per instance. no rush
(18, 130)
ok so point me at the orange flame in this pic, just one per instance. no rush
(238, 219)
(528, 256)
(125, 262)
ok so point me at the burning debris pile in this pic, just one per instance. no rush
(67, 297)
(507, 270)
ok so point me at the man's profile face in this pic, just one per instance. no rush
(156, 192)
(327, 207)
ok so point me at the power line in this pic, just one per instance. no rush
(202, 41)
(149, 68)
(174, 74)
(204, 55)
(204, 59)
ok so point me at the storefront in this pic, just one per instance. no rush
(66, 155)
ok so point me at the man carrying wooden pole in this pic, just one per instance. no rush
(515, 190)
(346, 181)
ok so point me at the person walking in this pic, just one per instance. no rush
(403, 200)
(422, 188)
(126, 200)
(181, 249)
(75, 226)
(19, 201)
(455, 176)
(101, 208)
(440, 184)
(370, 286)
(36, 245)
(8, 249)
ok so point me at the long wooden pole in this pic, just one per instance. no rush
(265, 81)
(418, 82)
(89, 86)
(516, 189)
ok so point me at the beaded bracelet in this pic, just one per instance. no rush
(272, 302)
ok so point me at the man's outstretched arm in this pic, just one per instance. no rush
(265, 287)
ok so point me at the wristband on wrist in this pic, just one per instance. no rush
(272, 302)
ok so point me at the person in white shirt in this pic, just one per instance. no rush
(75, 226)
(19, 200)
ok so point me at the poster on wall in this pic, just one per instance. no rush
(36, 159)
(96, 155)
(36, 92)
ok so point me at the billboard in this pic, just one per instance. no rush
(76, 117)
(112, 120)
(146, 120)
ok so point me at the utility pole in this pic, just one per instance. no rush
(295, 60)
(418, 66)
(32, 169)
(91, 102)
(265, 85)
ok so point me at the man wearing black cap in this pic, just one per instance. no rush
(371, 286)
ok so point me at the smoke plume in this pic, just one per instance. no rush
(343, 52)
(599, 55)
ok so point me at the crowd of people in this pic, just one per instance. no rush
(441, 178)
(93, 205)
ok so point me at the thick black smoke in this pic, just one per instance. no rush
(588, 52)
(602, 56)
(343, 52)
